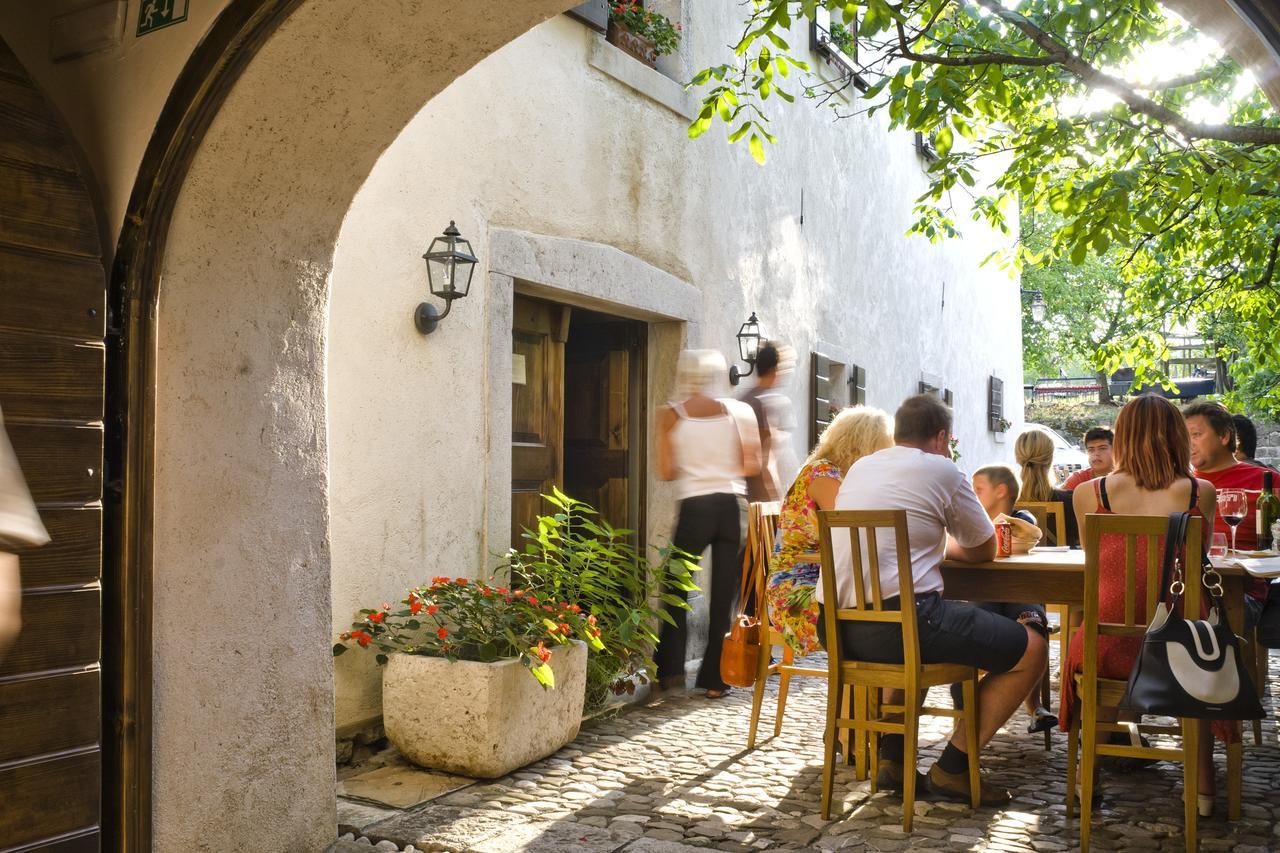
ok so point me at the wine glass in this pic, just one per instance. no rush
(1233, 506)
(1218, 545)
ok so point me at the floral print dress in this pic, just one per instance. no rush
(793, 611)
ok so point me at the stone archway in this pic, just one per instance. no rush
(265, 142)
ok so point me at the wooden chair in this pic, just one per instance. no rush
(1094, 692)
(1046, 513)
(867, 679)
(762, 525)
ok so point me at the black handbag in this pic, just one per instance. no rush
(1190, 668)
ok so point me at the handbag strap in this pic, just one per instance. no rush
(1175, 540)
(750, 554)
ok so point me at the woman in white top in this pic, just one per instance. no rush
(706, 446)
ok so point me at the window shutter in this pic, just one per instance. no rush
(594, 14)
(820, 395)
(946, 397)
(857, 386)
(995, 404)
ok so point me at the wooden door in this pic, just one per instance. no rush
(52, 356)
(597, 417)
(538, 334)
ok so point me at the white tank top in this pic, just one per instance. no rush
(708, 455)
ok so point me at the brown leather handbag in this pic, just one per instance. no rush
(740, 654)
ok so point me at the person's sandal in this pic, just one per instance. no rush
(718, 694)
(1042, 721)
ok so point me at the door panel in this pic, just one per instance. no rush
(52, 325)
(597, 443)
(537, 408)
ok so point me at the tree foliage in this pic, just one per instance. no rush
(1174, 182)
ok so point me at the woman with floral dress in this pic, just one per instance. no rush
(855, 432)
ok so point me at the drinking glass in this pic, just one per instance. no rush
(1218, 545)
(1233, 506)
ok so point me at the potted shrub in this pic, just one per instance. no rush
(641, 33)
(480, 678)
(575, 555)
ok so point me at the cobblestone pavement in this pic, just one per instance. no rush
(675, 776)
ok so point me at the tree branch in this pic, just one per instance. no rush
(1265, 278)
(972, 59)
(1060, 54)
(1183, 80)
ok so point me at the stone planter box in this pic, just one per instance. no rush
(643, 49)
(481, 719)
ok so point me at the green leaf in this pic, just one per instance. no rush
(740, 132)
(757, 148)
(338, 648)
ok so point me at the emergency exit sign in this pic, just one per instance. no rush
(157, 14)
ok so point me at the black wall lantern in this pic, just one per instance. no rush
(748, 348)
(450, 264)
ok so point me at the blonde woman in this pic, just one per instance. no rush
(708, 446)
(1034, 453)
(854, 433)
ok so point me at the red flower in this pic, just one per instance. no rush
(414, 606)
(533, 599)
(442, 633)
(564, 628)
(502, 590)
(575, 609)
(548, 608)
(543, 653)
(362, 638)
(432, 608)
(377, 617)
(591, 620)
(386, 606)
(519, 593)
(345, 636)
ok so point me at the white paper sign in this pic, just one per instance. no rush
(517, 369)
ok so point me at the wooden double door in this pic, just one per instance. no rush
(578, 411)
(52, 361)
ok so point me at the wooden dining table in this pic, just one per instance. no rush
(1057, 577)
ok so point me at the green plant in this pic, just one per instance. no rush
(843, 39)
(459, 619)
(574, 555)
(649, 25)
(954, 446)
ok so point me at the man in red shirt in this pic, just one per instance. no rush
(1213, 447)
(1097, 444)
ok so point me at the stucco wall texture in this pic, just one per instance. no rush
(538, 139)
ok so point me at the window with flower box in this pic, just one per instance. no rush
(837, 43)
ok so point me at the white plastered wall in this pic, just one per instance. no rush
(243, 735)
(556, 152)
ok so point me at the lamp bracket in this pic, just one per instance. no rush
(427, 318)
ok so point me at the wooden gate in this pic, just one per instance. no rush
(52, 355)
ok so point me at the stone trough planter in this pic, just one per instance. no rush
(481, 720)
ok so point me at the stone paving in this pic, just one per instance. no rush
(675, 777)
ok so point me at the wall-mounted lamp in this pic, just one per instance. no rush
(1037, 304)
(450, 264)
(748, 348)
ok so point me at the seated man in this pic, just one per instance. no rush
(918, 476)
(1213, 456)
(996, 487)
(1097, 444)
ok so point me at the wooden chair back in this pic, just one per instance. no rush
(1133, 621)
(762, 529)
(1047, 512)
(861, 527)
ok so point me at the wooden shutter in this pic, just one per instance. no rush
(857, 386)
(946, 397)
(820, 395)
(995, 404)
(52, 357)
(594, 14)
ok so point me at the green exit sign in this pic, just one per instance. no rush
(157, 14)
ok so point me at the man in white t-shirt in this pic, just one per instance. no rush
(918, 476)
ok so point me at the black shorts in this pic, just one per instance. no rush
(950, 632)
